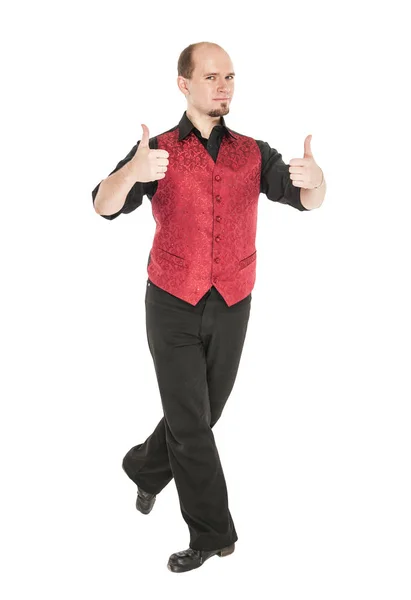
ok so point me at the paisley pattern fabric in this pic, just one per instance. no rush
(206, 218)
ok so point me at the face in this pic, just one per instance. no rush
(212, 85)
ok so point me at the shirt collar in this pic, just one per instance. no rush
(185, 127)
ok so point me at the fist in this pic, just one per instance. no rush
(148, 164)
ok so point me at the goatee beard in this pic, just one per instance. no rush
(218, 112)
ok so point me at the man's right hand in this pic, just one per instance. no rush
(147, 164)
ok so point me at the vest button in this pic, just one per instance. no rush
(218, 178)
(218, 218)
(217, 239)
(217, 259)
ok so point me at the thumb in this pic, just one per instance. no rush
(145, 137)
(307, 147)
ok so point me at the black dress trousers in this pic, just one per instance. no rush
(196, 352)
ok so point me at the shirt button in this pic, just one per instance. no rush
(218, 218)
(218, 178)
(217, 239)
(218, 198)
(217, 259)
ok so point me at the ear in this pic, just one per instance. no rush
(182, 85)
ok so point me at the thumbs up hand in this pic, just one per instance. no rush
(148, 164)
(304, 172)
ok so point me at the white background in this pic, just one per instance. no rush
(315, 437)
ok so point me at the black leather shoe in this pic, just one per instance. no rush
(145, 501)
(192, 559)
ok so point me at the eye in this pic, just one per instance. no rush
(232, 77)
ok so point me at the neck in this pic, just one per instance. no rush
(204, 123)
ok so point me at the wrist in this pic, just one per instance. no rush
(131, 171)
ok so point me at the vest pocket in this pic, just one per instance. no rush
(177, 260)
(248, 260)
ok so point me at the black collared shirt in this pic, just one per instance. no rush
(275, 176)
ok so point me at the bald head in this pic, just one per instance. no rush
(206, 78)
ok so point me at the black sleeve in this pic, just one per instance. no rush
(134, 198)
(275, 178)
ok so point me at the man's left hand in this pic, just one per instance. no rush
(304, 172)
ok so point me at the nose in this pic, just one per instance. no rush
(224, 89)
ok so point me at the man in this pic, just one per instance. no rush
(204, 181)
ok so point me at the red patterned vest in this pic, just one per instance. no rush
(206, 218)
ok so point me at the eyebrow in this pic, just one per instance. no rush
(207, 74)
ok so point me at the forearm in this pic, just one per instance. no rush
(313, 198)
(113, 190)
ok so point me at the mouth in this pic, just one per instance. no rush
(220, 99)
